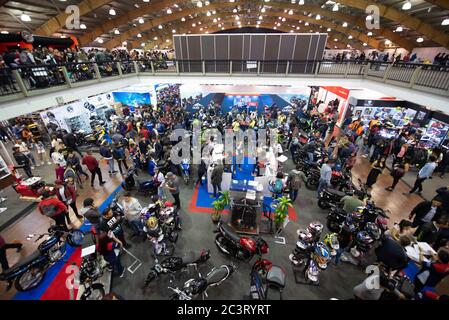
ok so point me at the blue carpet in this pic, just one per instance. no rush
(36, 293)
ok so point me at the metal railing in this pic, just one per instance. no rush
(36, 79)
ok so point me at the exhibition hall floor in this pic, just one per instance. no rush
(335, 282)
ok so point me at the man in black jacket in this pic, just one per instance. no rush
(23, 161)
(70, 141)
(430, 231)
(426, 211)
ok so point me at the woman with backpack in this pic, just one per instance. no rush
(118, 152)
(397, 173)
(294, 183)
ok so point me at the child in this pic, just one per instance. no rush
(42, 153)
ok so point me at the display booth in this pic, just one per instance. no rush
(232, 98)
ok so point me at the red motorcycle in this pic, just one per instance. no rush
(242, 248)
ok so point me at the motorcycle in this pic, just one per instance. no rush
(29, 273)
(336, 218)
(144, 187)
(175, 264)
(242, 248)
(91, 269)
(185, 170)
(194, 287)
(264, 275)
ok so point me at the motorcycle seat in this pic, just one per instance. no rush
(216, 275)
(276, 277)
(230, 232)
(22, 263)
(336, 192)
(191, 257)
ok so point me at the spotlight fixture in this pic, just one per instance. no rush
(318, 17)
(25, 17)
(445, 22)
(141, 21)
(169, 11)
(399, 29)
(112, 12)
(345, 24)
(350, 37)
(420, 39)
(369, 34)
(83, 26)
(290, 12)
(335, 7)
(407, 5)
(139, 35)
(117, 31)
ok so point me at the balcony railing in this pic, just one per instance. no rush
(36, 79)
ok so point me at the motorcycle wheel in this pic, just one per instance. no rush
(30, 279)
(150, 277)
(75, 238)
(323, 204)
(96, 292)
(312, 184)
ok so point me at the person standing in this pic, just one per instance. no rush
(43, 157)
(132, 209)
(172, 184)
(398, 172)
(91, 213)
(107, 242)
(202, 170)
(92, 164)
(377, 168)
(75, 163)
(325, 176)
(23, 161)
(294, 182)
(118, 152)
(54, 209)
(426, 211)
(423, 174)
(5, 246)
(27, 152)
(159, 181)
(444, 163)
(67, 194)
(106, 153)
(216, 178)
(69, 140)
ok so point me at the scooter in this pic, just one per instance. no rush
(30, 272)
(264, 275)
(242, 248)
(175, 264)
(194, 287)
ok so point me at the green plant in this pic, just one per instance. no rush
(281, 211)
(220, 204)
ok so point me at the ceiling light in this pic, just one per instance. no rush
(222, 28)
(63, 36)
(297, 28)
(117, 31)
(350, 37)
(293, 1)
(218, 18)
(146, 0)
(399, 29)
(274, 28)
(348, 46)
(318, 17)
(260, 17)
(100, 40)
(279, 24)
(25, 17)
(214, 12)
(155, 38)
(258, 22)
(124, 43)
(83, 26)
(257, 26)
(420, 39)
(208, 13)
(335, 39)
(365, 44)
(267, 0)
(345, 24)
(194, 25)
(290, 12)
(143, 44)
(301, 2)
(173, 31)
(292, 31)
(141, 21)
(387, 42)
(4, 32)
(407, 5)
(263, 10)
(239, 23)
(160, 26)
(215, 20)
(445, 22)
(199, 22)
(335, 7)
(306, 24)
(139, 35)
(219, 25)
(231, 0)
(235, 10)
(199, 4)
(283, 19)
(112, 12)
(201, 29)
(237, 18)
(183, 19)
(328, 29)
(207, 3)
(280, 18)
(369, 34)
(369, 17)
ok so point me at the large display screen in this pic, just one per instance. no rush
(132, 98)
(435, 133)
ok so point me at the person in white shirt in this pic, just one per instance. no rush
(132, 210)
(423, 174)
(27, 152)
(159, 181)
(325, 176)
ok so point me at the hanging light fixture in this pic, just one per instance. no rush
(369, 34)
(407, 5)
(306, 24)
(328, 29)
(183, 19)
(290, 12)
(208, 13)
(169, 11)
(335, 7)
(199, 4)
(445, 22)
(155, 38)
(420, 39)
(112, 12)
(387, 42)
(139, 35)
(350, 37)
(318, 17)
(263, 10)
(83, 26)
(100, 40)
(301, 2)
(365, 44)
(399, 29)
(141, 21)
(345, 24)
(117, 31)
(260, 17)
(25, 17)
(160, 26)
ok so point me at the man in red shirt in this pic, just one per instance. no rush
(53, 208)
(92, 164)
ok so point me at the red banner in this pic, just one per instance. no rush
(339, 91)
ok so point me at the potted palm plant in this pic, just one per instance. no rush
(281, 211)
(220, 204)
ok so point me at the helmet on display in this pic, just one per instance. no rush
(315, 228)
(356, 216)
(331, 240)
(321, 255)
(304, 235)
(152, 223)
(373, 230)
(363, 237)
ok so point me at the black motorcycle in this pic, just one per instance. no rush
(175, 264)
(29, 273)
(90, 271)
(144, 187)
(336, 218)
(243, 248)
(193, 288)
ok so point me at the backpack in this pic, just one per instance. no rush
(48, 210)
(295, 182)
(278, 186)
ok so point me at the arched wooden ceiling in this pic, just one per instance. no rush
(352, 12)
